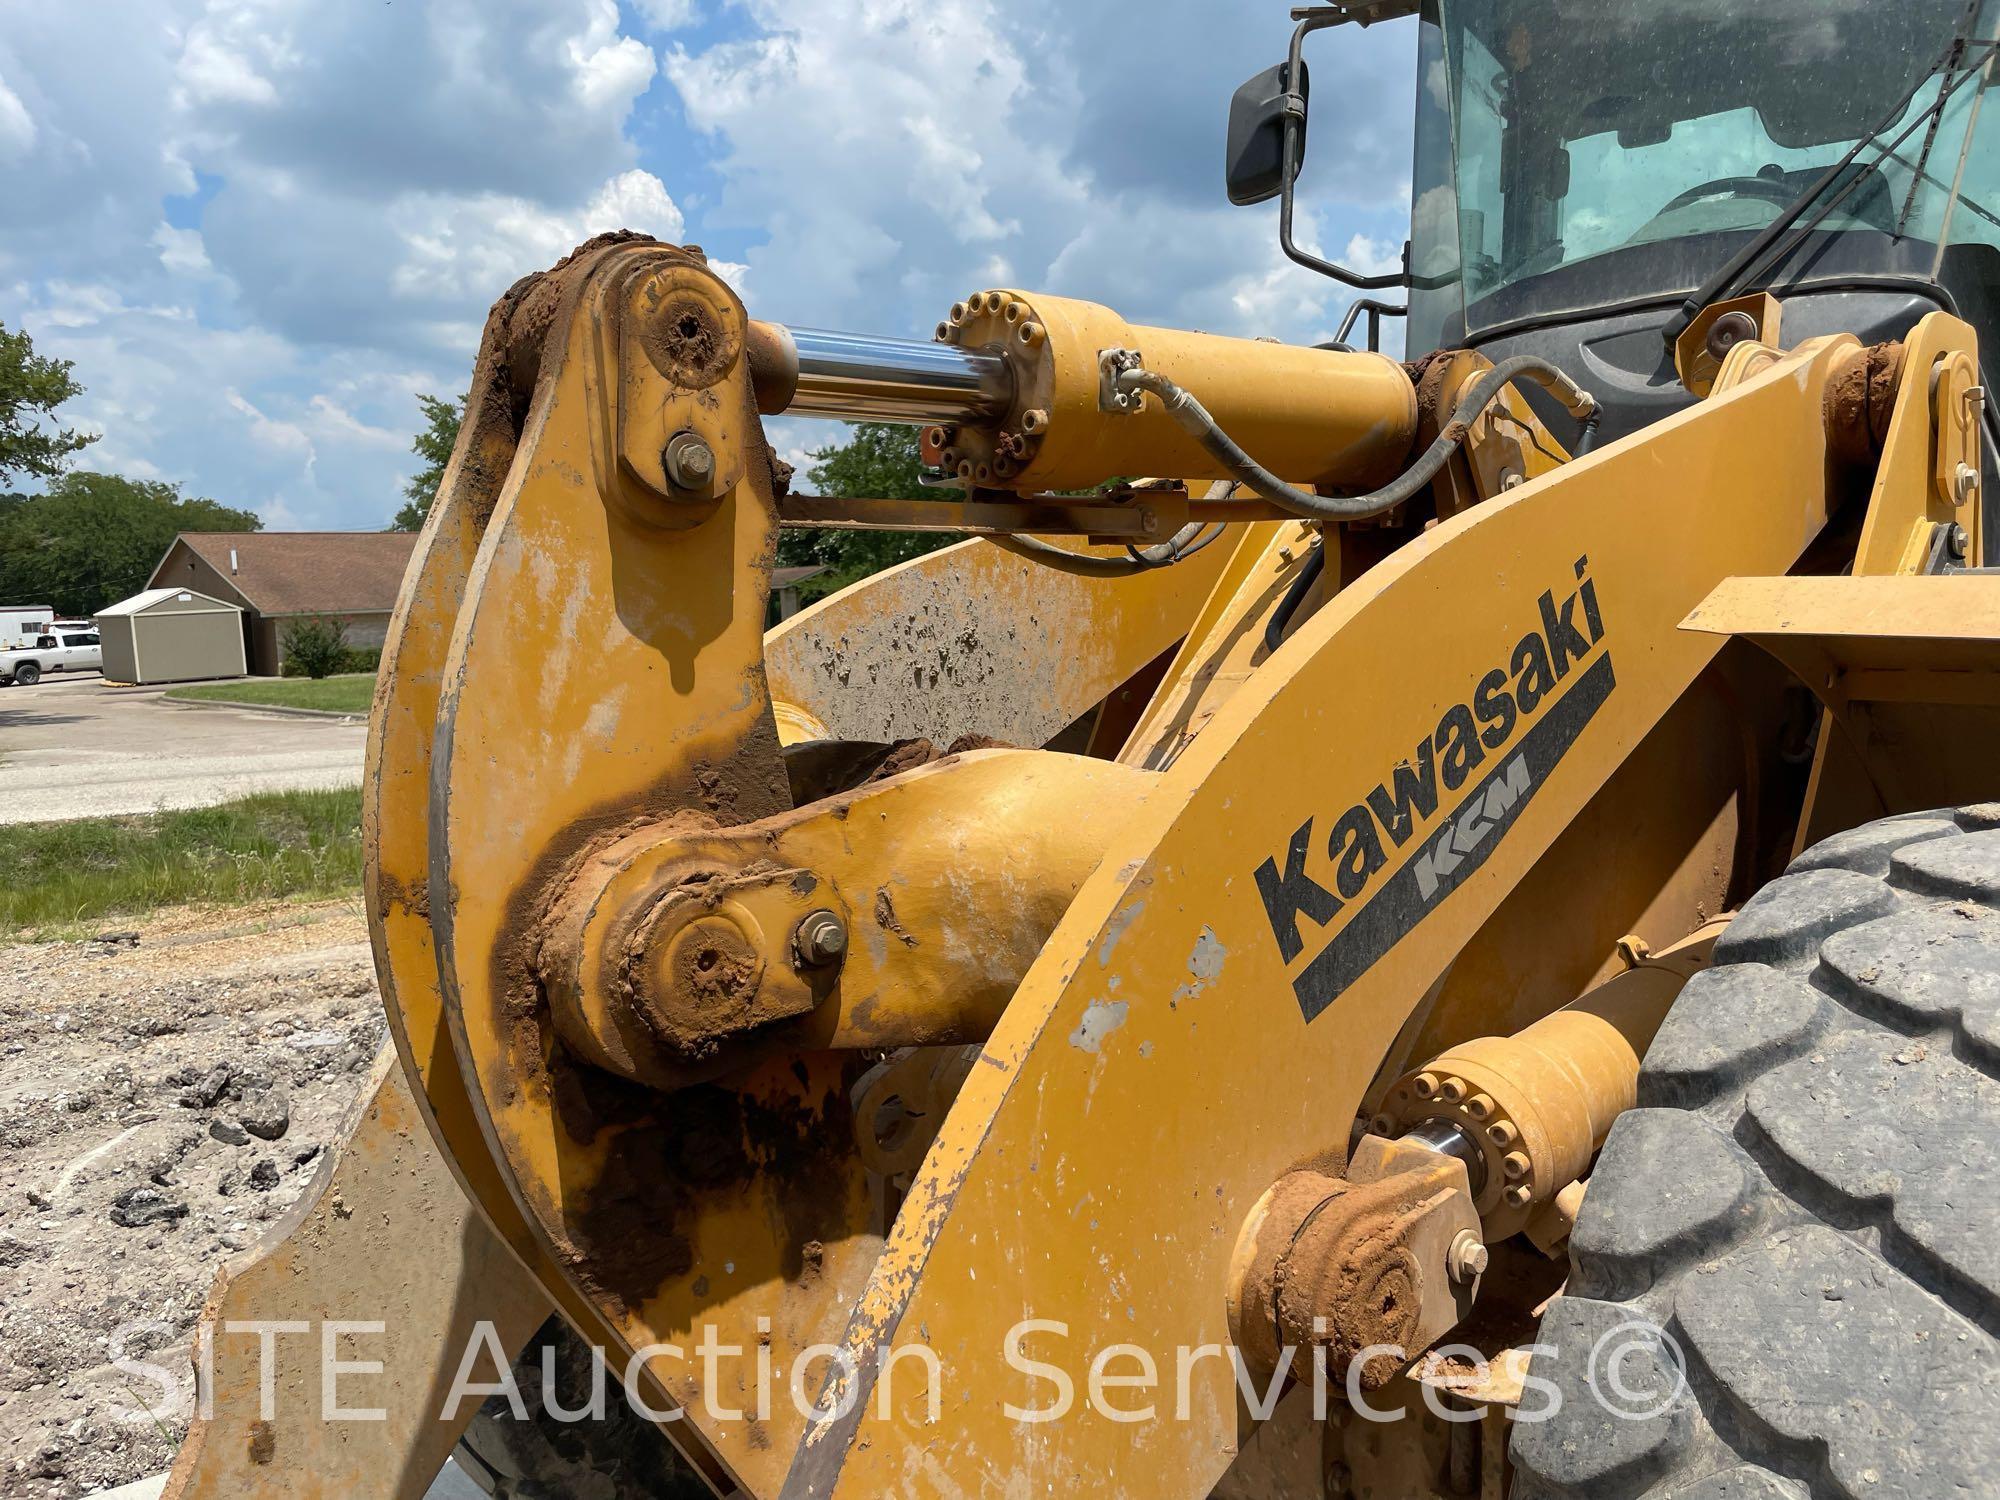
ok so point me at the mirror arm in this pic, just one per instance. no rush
(1295, 108)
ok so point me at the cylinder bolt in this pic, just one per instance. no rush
(1452, 1090)
(1480, 1107)
(1520, 1195)
(1515, 1164)
(819, 939)
(1425, 1084)
(1503, 1134)
(1468, 1258)
(689, 461)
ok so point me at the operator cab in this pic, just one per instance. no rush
(1584, 167)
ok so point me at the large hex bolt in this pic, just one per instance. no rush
(1468, 1258)
(689, 462)
(820, 939)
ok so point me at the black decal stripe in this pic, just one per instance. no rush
(1400, 905)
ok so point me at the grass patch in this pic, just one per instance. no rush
(305, 844)
(349, 693)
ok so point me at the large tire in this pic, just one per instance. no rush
(1806, 1201)
(27, 674)
(544, 1457)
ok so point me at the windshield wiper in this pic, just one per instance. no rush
(1948, 62)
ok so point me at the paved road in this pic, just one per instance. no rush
(80, 748)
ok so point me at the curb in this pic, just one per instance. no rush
(283, 709)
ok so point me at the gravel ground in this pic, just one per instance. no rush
(84, 749)
(163, 1094)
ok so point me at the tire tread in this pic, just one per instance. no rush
(1807, 1199)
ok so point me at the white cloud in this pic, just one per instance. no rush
(961, 143)
(181, 251)
(215, 69)
(633, 200)
(873, 143)
(371, 177)
(1372, 257)
(260, 227)
(85, 304)
(286, 437)
(666, 15)
(17, 126)
(609, 69)
(330, 419)
(306, 438)
(464, 248)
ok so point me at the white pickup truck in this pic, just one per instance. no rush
(66, 648)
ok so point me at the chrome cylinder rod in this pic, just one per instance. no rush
(1447, 1139)
(860, 377)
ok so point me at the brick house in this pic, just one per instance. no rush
(352, 577)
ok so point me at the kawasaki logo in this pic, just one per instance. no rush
(1519, 714)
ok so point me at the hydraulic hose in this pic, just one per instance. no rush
(1587, 437)
(1183, 543)
(1186, 542)
(1274, 632)
(1083, 564)
(1195, 420)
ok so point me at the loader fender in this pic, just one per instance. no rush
(1785, 1278)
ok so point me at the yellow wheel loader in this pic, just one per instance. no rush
(1447, 943)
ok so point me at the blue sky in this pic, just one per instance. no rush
(260, 227)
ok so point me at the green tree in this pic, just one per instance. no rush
(433, 445)
(93, 539)
(32, 386)
(878, 462)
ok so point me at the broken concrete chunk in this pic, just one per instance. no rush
(266, 1116)
(209, 1088)
(137, 1207)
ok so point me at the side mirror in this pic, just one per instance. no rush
(1255, 166)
